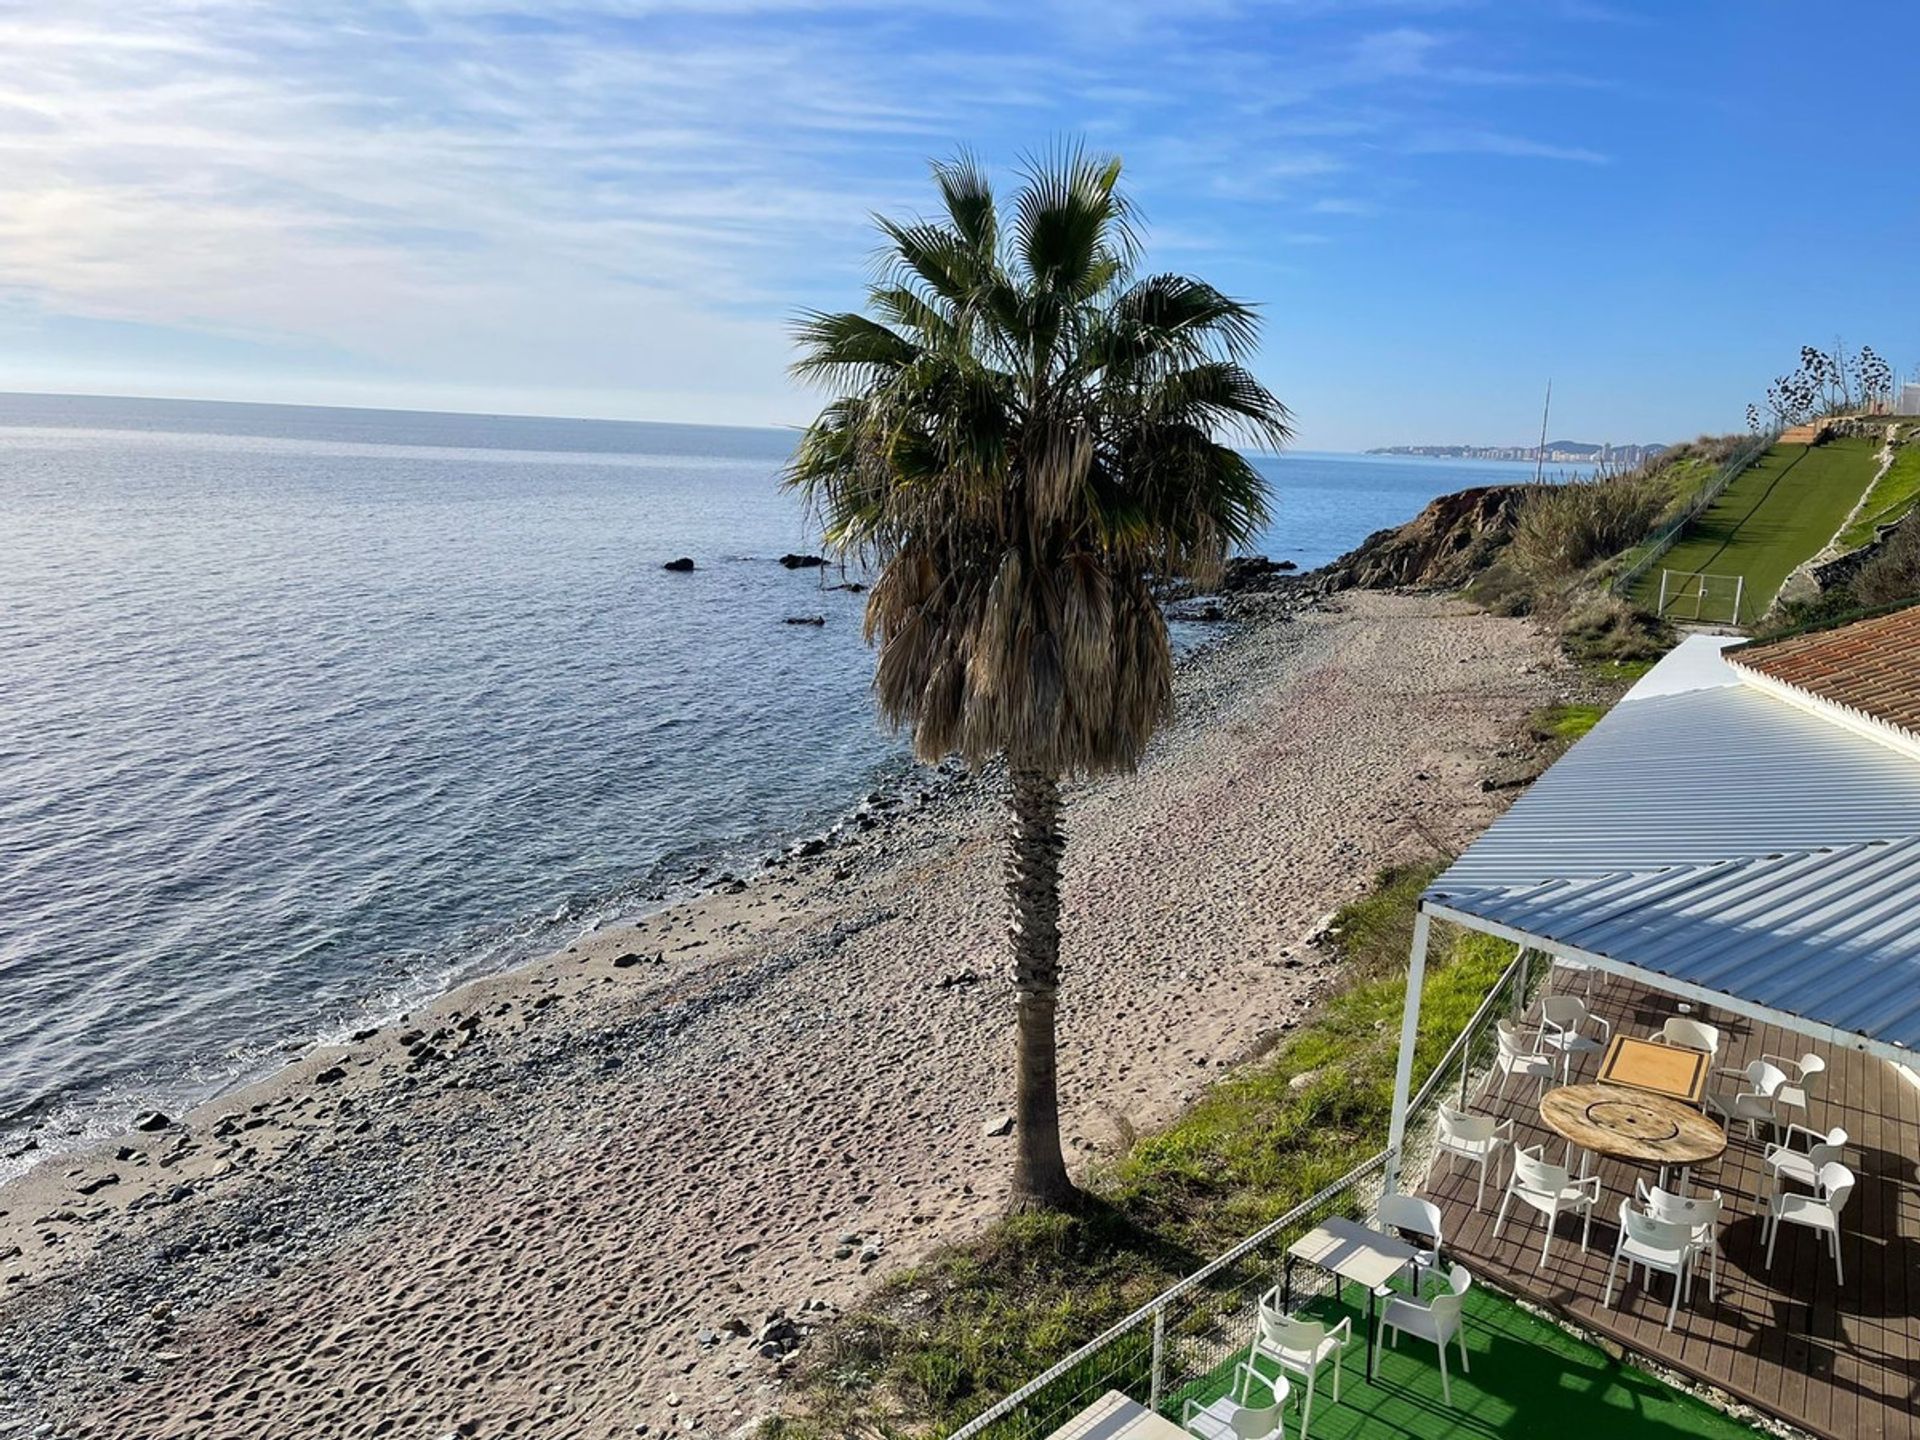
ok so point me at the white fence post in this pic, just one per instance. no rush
(1661, 609)
(1159, 1351)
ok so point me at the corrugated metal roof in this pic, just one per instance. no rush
(1720, 836)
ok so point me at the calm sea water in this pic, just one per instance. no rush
(304, 712)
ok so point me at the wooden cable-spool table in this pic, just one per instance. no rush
(1632, 1125)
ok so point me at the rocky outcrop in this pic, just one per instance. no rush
(1441, 548)
(683, 564)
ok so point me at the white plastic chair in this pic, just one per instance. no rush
(1791, 1166)
(1436, 1321)
(1651, 1244)
(1419, 1219)
(1817, 1212)
(1754, 1101)
(1518, 1058)
(1299, 1347)
(1563, 1027)
(1550, 1190)
(1689, 1034)
(1476, 1139)
(1228, 1419)
(1701, 1215)
(1801, 1075)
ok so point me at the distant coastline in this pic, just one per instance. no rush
(1556, 452)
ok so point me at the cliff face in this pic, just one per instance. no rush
(1441, 548)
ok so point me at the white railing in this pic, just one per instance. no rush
(1178, 1342)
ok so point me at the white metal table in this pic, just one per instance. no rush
(1114, 1417)
(1350, 1250)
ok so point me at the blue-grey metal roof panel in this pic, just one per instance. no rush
(1711, 832)
(1685, 779)
(1830, 935)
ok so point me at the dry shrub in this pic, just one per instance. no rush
(1894, 574)
(1609, 629)
(1562, 529)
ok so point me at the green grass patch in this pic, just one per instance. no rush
(1891, 497)
(1566, 722)
(1774, 517)
(942, 1341)
(1528, 1378)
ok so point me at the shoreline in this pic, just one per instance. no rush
(768, 1091)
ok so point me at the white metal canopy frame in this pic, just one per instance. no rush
(1718, 840)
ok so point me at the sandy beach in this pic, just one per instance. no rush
(568, 1201)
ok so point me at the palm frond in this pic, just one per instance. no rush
(1022, 436)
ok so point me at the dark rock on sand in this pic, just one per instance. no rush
(684, 563)
(151, 1120)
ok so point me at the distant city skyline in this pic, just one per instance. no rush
(612, 208)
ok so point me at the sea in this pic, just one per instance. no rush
(308, 713)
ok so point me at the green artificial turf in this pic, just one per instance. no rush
(1530, 1378)
(1774, 517)
(1889, 499)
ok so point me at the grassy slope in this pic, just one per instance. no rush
(1771, 519)
(1891, 498)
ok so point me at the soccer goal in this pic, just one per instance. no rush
(1696, 595)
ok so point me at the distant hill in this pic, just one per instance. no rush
(1558, 452)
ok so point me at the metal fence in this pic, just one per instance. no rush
(1186, 1340)
(1741, 460)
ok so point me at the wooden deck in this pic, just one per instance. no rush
(1840, 1362)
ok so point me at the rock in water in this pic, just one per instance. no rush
(684, 563)
(805, 620)
(151, 1120)
(802, 562)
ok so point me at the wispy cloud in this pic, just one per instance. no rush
(608, 194)
(1493, 142)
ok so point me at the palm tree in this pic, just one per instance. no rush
(1026, 434)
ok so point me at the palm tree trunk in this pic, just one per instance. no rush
(1033, 883)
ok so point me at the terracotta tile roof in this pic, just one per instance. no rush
(1871, 666)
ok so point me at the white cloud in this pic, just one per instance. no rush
(602, 197)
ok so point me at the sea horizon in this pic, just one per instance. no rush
(199, 898)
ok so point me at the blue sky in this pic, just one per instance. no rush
(611, 207)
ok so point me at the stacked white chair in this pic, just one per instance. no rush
(1755, 1100)
(1298, 1347)
(1551, 1191)
(1701, 1214)
(1227, 1419)
(1687, 1033)
(1820, 1211)
(1437, 1321)
(1477, 1140)
(1651, 1244)
(1516, 1057)
(1564, 1024)
(1790, 1165)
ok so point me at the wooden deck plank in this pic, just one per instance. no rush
(1836, 1361)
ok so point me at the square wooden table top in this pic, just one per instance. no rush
(1353, 1252)
(1670, 1070)
(1114, 1417)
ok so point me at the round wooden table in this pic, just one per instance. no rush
(1632, 1125)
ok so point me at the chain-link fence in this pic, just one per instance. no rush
(1184, 1343)
(1650, 553)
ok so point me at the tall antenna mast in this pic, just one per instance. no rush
(1540, 455)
